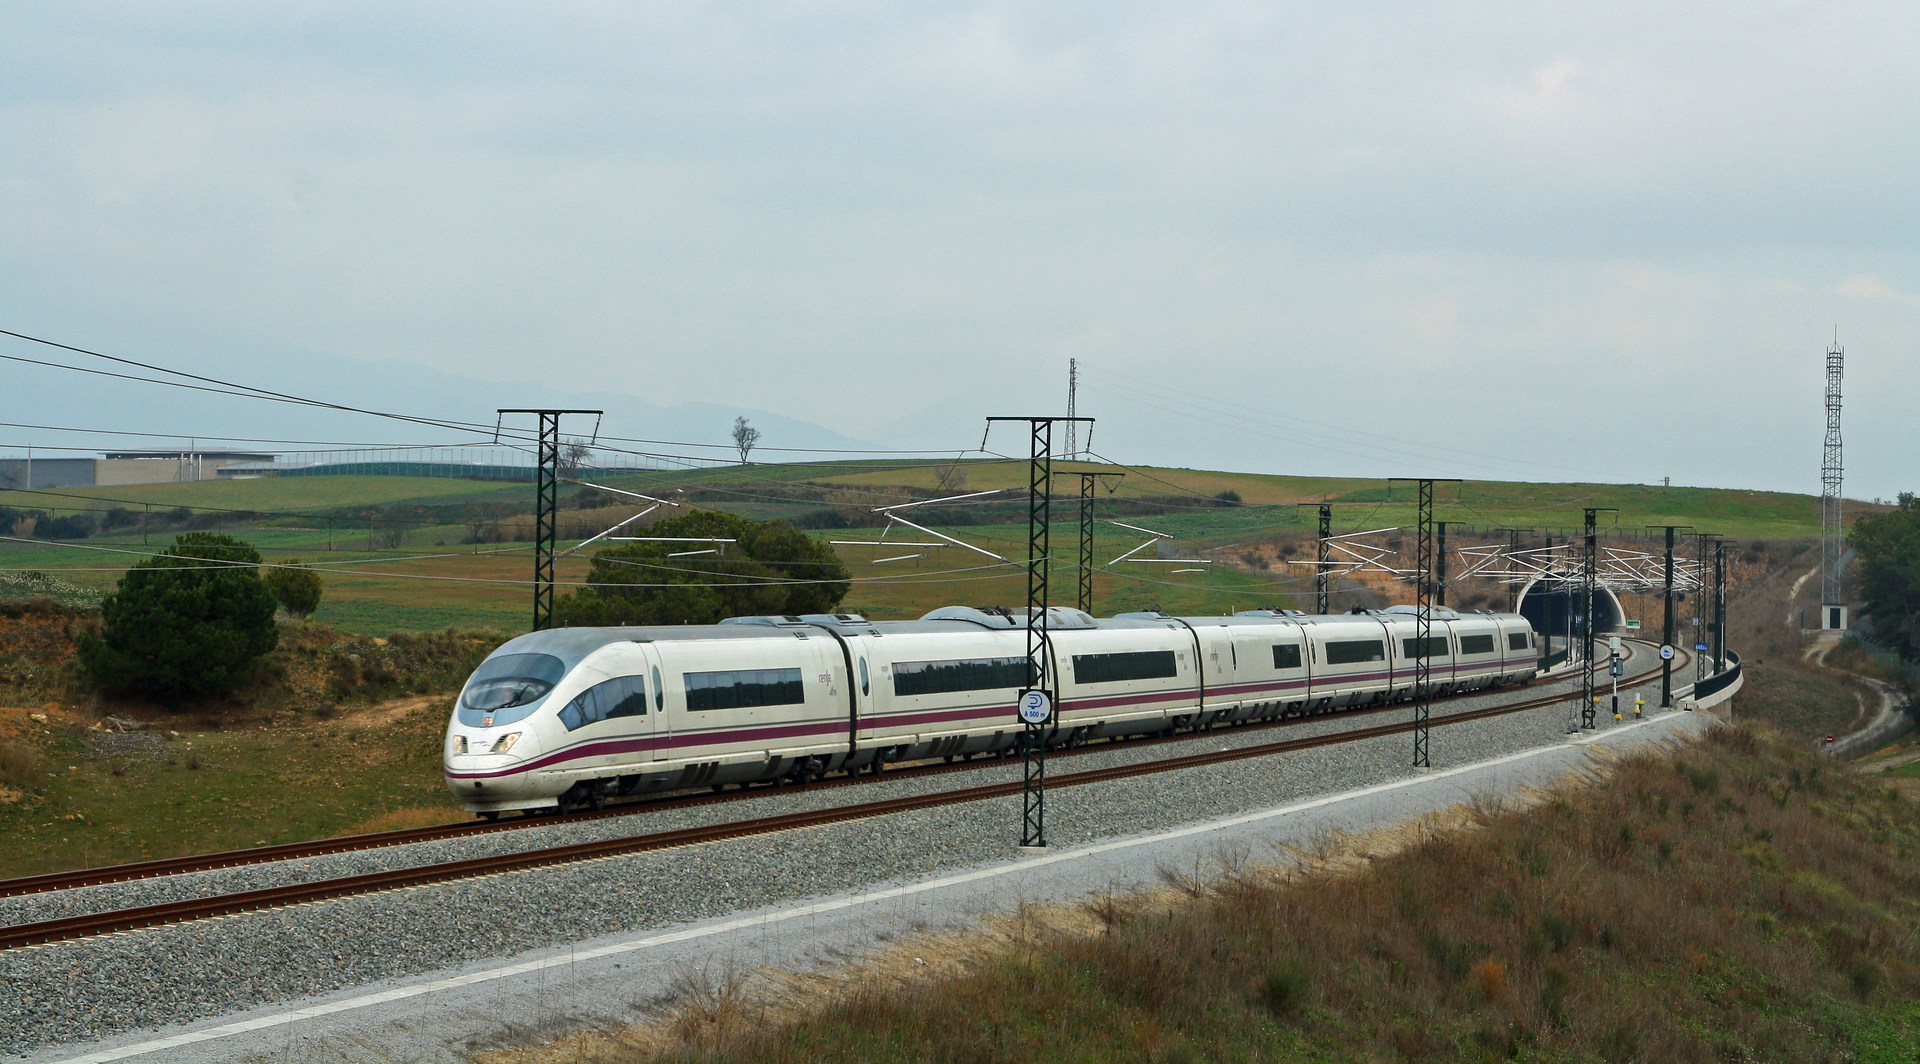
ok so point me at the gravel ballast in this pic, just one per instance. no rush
(84, 990)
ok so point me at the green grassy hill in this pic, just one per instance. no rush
(402, 555)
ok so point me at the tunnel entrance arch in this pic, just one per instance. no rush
(1550, 604)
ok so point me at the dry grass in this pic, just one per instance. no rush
(1733, 900)
(414, 816)
(20, 770)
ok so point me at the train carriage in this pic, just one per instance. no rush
(1127, 676)
(1351, 658)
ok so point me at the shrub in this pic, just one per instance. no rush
(189, 622)
(769, 567)
(295, 587)
(1282, 990)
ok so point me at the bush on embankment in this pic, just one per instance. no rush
(313, 669)
(1737, 900)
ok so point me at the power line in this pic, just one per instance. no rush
(901, 578)
(235, 388)
(346, 444)
(225, 387)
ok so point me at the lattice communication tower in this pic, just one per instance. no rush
(1832, 604)
(1073, 397)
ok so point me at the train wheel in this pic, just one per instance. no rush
(490, 814)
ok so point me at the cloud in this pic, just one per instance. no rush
(1867, 286)
(852, 212)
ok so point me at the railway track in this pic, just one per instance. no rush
(21, 935)
(292, 851)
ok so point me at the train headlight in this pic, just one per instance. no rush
(459, 744)
(505, 742)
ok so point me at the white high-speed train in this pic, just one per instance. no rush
(569, 716)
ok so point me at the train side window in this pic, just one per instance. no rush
(1436, 647)
(1286, 655)
(624, 697)
(583, 710)
(1126, 665)
(1517, 641)
(1476, 644)
(744, 689)
(864, 687)
(1354, 651)
(960, 674)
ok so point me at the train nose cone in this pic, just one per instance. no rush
(484, 777)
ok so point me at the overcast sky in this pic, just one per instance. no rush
(1519, 240)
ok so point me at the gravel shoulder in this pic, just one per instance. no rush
(81, 992)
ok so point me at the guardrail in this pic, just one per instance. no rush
(1715, 689)
(1728, 675)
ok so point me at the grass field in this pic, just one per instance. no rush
(264, 494)
(382, 591)
(428, 579)
(1738, 513)
(109, 798)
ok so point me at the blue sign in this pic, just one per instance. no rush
(1035, 707)
(1702, 646)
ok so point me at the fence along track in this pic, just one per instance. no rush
(48, 931)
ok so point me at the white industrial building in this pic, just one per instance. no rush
(122, 467)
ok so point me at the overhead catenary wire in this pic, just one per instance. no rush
(235, 388)
(191, 562)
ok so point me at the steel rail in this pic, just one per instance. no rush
(96, 924)
(288, 851)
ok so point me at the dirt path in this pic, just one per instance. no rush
(1888, 717)
(1882, 764)
(1889, 720)
(1794, 595)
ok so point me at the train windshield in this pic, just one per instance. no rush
(505, 688)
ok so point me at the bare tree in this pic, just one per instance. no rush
(573, 456)
(744, 437)
(951, 476)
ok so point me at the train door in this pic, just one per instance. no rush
(865, 682)
(657, 702)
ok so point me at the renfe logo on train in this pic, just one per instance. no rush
(1035, 707)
